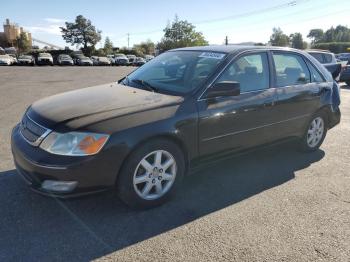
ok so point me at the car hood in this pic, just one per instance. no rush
(83, 107)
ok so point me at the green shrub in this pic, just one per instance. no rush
(335, 47)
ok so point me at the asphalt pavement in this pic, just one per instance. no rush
(275, 204)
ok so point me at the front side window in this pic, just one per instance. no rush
(251, 71)
(176, 72)
(290, 69)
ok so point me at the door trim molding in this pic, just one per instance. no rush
(254, 128)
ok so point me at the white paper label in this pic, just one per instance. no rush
(212, 55)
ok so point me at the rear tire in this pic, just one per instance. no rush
(315, 133)
(151, 174)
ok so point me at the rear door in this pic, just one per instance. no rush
(298, 97)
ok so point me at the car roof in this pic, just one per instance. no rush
(233, 48)
(318, 51)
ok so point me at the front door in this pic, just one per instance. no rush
(237, 122)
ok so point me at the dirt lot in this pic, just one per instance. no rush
(272, 205)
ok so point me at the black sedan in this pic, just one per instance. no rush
(141, 135)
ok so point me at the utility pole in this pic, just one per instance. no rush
(128, 40)
(226, 40)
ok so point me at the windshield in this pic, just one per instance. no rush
(45, 55)
(25, 57)
(65, 57)
(4, 56)
(176, 72)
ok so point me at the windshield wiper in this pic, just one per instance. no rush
(145, 84)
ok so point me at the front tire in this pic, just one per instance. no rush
(151, 174)
(315, 133)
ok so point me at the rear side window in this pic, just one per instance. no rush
(290, 69)
(315, 75)
(318, 57)
(328, 58)
(251, 71)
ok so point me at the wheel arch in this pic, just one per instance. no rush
(171, 137)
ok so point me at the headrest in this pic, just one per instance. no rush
(292, 71)
(251, 70)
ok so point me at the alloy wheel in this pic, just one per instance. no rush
(315, 132)
(155, 175)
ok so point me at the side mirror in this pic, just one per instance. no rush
(224, 88)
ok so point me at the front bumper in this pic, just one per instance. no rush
(92, 173)
(24, 62)
(44, 62)
(66, 63)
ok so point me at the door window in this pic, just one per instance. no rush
(251, 71)
(315, 75)
(319, 57)
(290, 70)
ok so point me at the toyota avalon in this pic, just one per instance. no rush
(141, 134)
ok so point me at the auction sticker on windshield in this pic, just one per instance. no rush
(212, 55)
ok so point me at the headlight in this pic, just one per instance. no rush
(74, 143)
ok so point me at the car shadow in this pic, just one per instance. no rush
(33, 226)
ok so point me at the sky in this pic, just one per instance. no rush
(240, 21)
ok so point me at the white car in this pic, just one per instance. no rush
(6, 60)
(44, 59)
(148, 57)
(111, 58)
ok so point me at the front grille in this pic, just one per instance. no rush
(31, 130)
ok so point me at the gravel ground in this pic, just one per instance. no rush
(271, 205)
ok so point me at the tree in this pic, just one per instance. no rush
(315, 35)
(145, 48)
(278, 38)
(23, 43)
(180, 33)
(108, 47)
(81, 32)
(297, 41)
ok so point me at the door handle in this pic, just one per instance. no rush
(269, 104)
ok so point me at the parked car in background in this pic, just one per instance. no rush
(6, 60)
(343, 57)
(140, 135)
(12, 51)
(345, 74)
(64, 59)
(131, 59)
(102, 61)
(44, 59)
(121, 60)
(148, 57)
(84, 61)
(26, 60)
(111, 58)
(328, 60)
(2, 51)
(13, 58)
(94, 60)
(139, 61)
